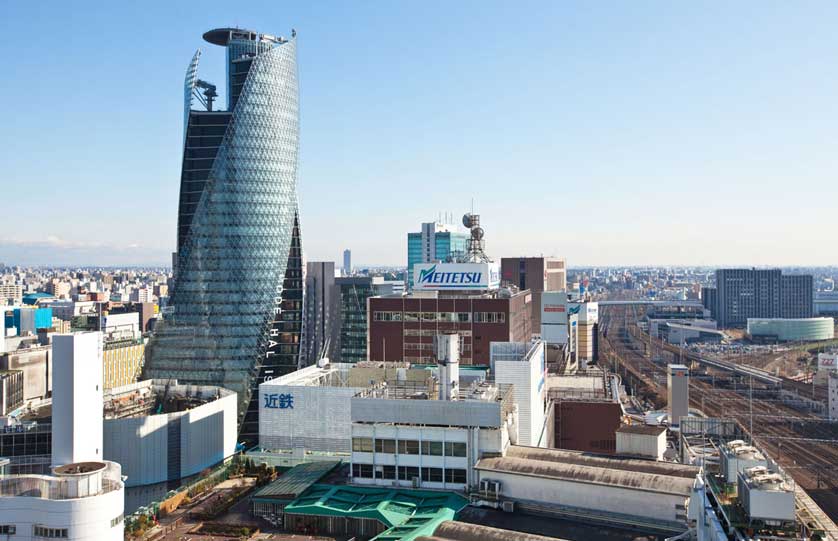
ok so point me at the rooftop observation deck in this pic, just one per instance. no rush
(68, 482)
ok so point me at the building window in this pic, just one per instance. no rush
(8, 529)
(408, 447)
(362, 470)
(385, 472)
(454, 448)
(411, 316)
(432, 448)
(429, 316)
(385, 446)
(455, 475)
(387, 316)
(362, 445)
(489, 317)
(117, 521)
(50, 533)
(432, 475)
(407, 473)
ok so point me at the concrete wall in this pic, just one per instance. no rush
(141, 445)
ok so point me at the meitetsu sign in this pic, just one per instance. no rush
(454, 276)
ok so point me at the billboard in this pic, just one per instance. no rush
(455, 276)
(554, 312)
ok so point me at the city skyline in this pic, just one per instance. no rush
(574, 128)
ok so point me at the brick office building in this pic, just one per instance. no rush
(538, 274)
(402, 328)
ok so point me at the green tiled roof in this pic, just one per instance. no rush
(407, 513)
(296, 480)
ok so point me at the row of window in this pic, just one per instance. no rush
(408, 473)
(431, 332)
(450, 317)
(8, 529)
(444, 317)
(430, 347)
(50, 533)
(489, 317)
(409, 447)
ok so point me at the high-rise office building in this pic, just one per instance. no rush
(321, 311)
(236, 308)
(353, 292)
(347, 262)
(538, 274)
(435, 242)
(754, 293)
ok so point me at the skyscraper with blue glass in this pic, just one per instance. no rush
(236, 311)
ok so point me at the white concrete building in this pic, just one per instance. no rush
(121, 326)
(569, 483)
(83, 499)
(416, 442)
(197, 429)
(78, 502)
(77, 398)
(307, 411)
(833, 396)
(523, 366)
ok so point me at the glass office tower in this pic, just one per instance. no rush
(236, 308)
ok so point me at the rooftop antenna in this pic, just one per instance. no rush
(475, 244)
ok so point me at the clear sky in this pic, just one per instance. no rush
(622, 132)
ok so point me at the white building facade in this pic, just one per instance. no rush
(170, 446)
(77, 397)
(429, 443)
(79, 502)
(307, 411)
(523, 366)
(83, 499)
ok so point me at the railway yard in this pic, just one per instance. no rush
(782, 416)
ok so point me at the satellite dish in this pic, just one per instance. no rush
(477, 233)
(467, 220)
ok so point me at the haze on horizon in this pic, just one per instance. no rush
(609, 134)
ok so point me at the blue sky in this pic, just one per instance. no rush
(606, 132)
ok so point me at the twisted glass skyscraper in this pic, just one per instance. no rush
(236, 310)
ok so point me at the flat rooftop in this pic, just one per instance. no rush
(586, 468)
(551, 527)
(452, 530)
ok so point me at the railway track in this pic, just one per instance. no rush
(801, 442)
